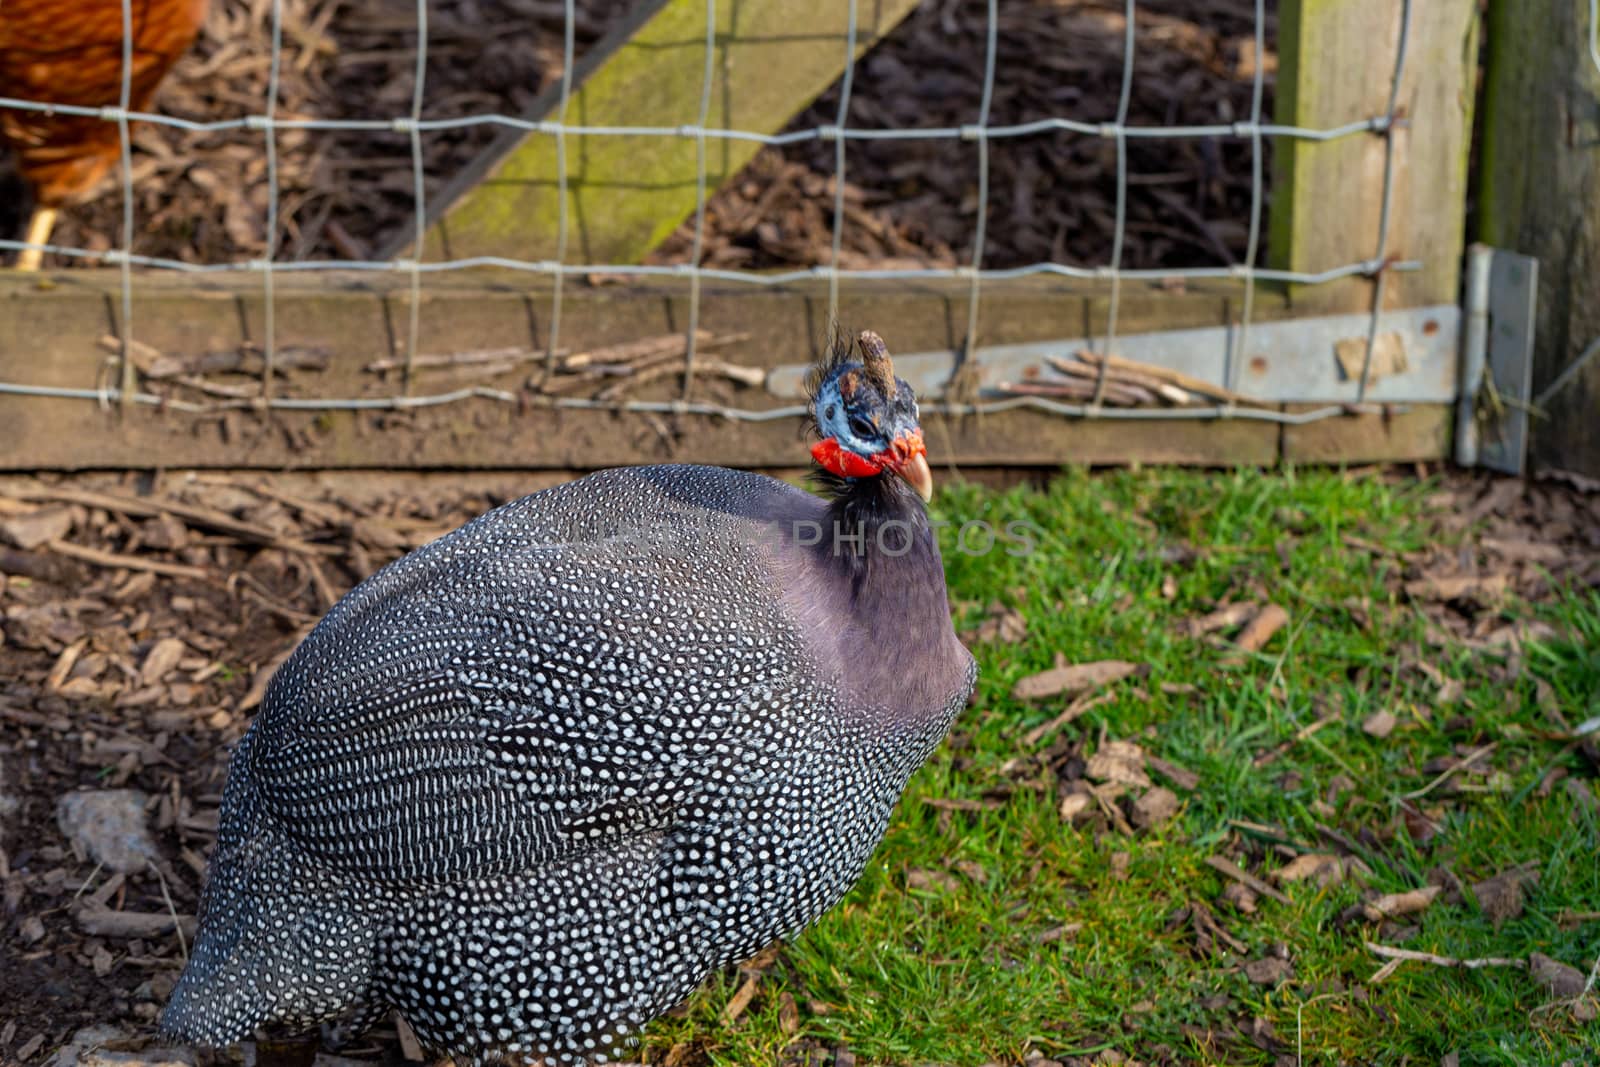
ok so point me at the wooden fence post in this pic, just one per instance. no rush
(1540, 195)
(1336, 61)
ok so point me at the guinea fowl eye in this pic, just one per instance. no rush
(861, 427)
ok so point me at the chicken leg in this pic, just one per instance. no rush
(39, 227)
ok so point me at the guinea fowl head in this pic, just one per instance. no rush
(866, 417)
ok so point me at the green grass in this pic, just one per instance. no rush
(957, 974)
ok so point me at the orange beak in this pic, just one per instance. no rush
(908, 457)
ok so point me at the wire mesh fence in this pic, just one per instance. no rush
(414, 124)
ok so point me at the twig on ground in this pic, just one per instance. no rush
(1397, 956)
(177, 924)
(132, 563)
(1238, 874)
(1467, 761)
(1083, 704)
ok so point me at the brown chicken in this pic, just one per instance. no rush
(70, 52)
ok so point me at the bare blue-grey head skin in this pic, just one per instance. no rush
(530, 784)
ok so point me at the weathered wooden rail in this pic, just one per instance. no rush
(1393, 195)
(50, 334)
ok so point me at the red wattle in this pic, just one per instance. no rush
(902, 450)
(841, 461)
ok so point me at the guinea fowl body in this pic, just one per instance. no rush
(532, 783)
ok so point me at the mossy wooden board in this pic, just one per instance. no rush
(49, 326)
(1336, 64)
(625, 194)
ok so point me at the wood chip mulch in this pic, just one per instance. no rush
(202, 197)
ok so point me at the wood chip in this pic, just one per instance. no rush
(1525, 549)
(209, 518)
(1227, 617)
(107, 923)
(962, 804)
(1056, 933)
(34, 528)
(1073, 679)
(1261, 629)
(1268, 971)
(1379, 724)
(1181, 777)
(162, 658)
(741, 999)
(1501, 897)
(1410, 902)
(1325, 867)
(1121, 762)
(1154, 807)
(1486, 590)
(1074, 805)
(64, 664)
(788, 1015)
(1562, 980)
(1241, 897)
(926, 881)
(1002, 625)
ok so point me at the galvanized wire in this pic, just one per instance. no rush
(568, 55)
(1119, 230)
(1568, 375)
(1388, 195)
(845, 86)
(269, 312)
(980, 134)
(419, 197)
(1247, 270)
(1366, 268)
(269, 122)
(401, 403)
(1374, 124)
(124, 137)
(698, 249)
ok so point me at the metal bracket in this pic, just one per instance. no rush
(1497, 360)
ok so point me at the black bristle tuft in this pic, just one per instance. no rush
(841, 350)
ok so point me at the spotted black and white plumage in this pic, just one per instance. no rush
(530, 784)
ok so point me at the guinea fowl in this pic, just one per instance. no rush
(532, 783)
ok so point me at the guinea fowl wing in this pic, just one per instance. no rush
(473, 713)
